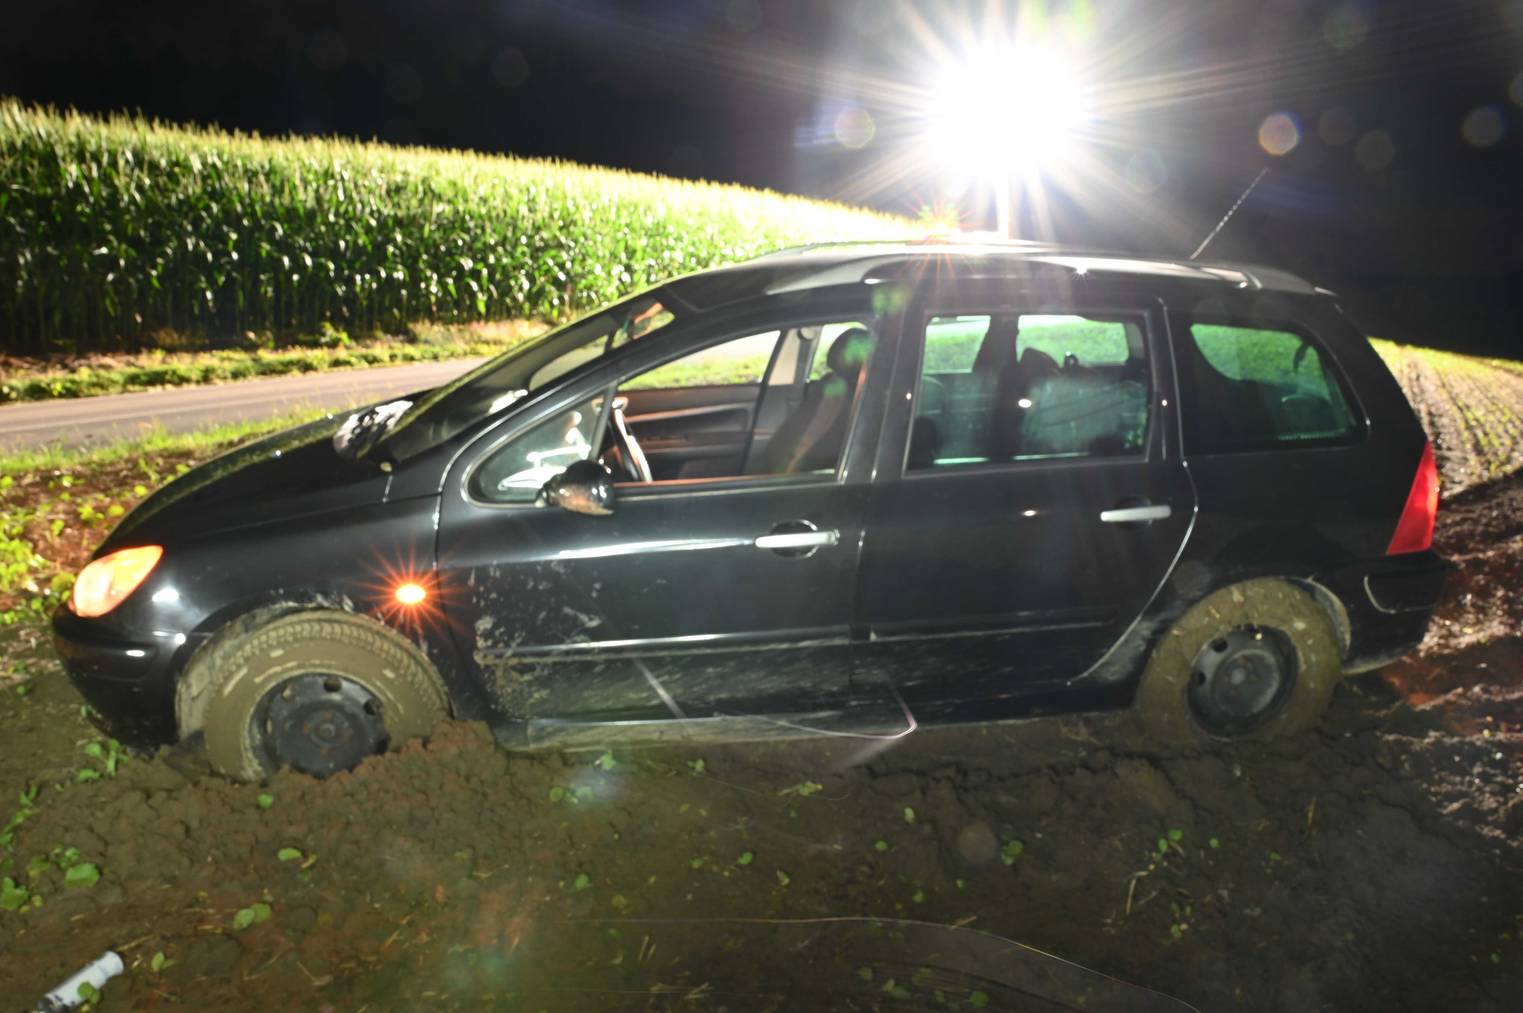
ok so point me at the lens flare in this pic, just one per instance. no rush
(1279, 134)
(411, 593)
(1004, 110)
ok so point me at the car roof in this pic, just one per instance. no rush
(803, 268)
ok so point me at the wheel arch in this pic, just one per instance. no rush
(198, 661)
(1337, 613)
(1125, 662)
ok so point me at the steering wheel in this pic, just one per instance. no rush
(631, 458)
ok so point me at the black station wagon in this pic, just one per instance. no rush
(841, 487)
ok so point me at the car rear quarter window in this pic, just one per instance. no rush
(1262, 387)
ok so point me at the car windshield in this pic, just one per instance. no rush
(523, 371)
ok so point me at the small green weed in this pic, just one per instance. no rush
(24, 810)
(83, 874)
(571, 796)
(109, 754)
(254, 914)
(803, 789)
(13, 896)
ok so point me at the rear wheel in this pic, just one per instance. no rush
(315, 691)
(1253, 660)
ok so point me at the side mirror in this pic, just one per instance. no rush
(585, 487)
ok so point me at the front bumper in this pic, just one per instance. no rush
(1389, 602)
(128, 681)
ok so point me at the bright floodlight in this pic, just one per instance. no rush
(1006, 113)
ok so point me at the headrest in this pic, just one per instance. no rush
(849, 351)
(1035, 363)
(998, 346)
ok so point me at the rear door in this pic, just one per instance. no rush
(1029, 498)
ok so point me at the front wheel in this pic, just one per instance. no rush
(315, 691)
(1253, 660)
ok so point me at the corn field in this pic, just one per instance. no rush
(118, 233)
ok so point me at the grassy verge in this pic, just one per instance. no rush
(41, 379)
(57, 505)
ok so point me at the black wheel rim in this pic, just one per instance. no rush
(319, 724)
(1240, 680)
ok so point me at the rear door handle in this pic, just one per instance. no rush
(796, 538)
(1136, 514)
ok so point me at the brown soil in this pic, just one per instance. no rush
(1372, 865)
(1376, 864)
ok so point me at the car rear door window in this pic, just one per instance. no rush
(1257, 388)
(1029, 386)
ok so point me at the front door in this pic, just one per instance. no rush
(719, 585)
(1030, 498)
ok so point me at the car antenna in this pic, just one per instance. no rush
(1230, 212)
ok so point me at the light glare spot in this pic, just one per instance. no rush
(1336, 127)
(1279, 134)
(1347, 25)
(1004, 110)
(1375, 150)
(854, 127)
(1512, 15)
(1483, 127)
(1145, 171)
(411, 593)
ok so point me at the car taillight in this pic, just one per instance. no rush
(102, 584)
(1414, 532)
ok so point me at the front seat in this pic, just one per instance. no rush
(811, 438)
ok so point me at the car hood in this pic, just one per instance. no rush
(291, 473)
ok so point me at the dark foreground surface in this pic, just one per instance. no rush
(1374, 865)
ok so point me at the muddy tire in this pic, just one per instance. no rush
(317, 691)
(1250, 661)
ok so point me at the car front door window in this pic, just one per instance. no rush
(516, 471)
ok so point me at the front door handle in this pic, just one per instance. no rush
(1136, 514)
(796, 538)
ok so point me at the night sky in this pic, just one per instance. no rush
(1401, 190)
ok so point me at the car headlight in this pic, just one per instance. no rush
(101, 585)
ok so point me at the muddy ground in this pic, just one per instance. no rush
(1373, 865)
(1376, 864)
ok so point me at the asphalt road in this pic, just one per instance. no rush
(91, 421)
